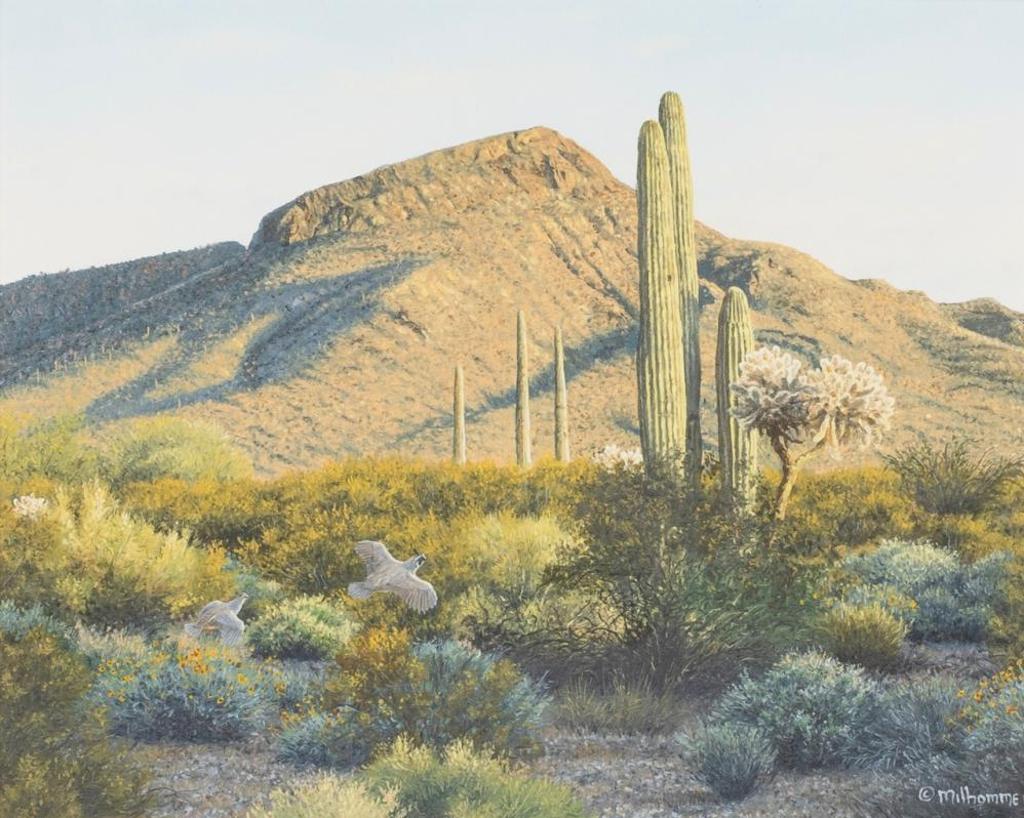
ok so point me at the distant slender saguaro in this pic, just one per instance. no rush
(661, 377)
(523, 457)
(673, 124)
(459, 419)
(737, 446)
(561, 402)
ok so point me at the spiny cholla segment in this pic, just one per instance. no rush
(30, 506)
(834, 403)
(771, 394)
(848, 401)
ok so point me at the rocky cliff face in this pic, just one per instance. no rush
(337, 330)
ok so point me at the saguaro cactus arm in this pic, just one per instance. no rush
(673, 124)
(523, 456)
(459, 418)
(561, 402)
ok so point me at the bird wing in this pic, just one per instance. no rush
(375, 555)
(230, 627)
(417, 593)
(208, 613)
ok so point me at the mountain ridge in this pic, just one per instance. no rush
(334, 332)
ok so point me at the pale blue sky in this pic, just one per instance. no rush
(885, 138)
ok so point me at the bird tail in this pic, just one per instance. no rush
(193, 630)
(359, 590)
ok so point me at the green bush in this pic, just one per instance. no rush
(339, 739)
(55, 757)
(84, 558)
(677, 592)
(953, 601)
(808, 706)
(460, 783)
(199, 693)
(730, 758)
(54, 448)
(147, 449)
(434, 693)
(983, 749)
(307, 627)
(329, 797)
(911, 723)
(953, 479)
(866, 635)
(17, 622)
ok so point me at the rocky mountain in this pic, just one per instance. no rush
(335, 332)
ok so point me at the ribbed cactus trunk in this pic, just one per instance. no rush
(673, 125)
(459, 418)
(661, 378)
(561, 402)
(737, 446)
(523, 457)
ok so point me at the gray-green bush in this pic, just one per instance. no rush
(808, 706)
(731, 758)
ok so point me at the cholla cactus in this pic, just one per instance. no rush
(30, 506)
(835, 405)
(613, 456)
(848, 402)
(771, 394)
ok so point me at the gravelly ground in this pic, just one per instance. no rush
(616, 776)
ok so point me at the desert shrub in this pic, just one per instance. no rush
(730, 758)
(628, 708)
(55, 757)
(985, 752)
(85, 558)
(954, 601)
(954, 479)
(329, 797)
(53, 448)
(886, 597)
(907, 566)
(911, 723)
(866, 635)
(339, 739)
(307, 627)
(847, 508)
(435, 693)
(459, 782)
(17, 622)
(677, 592)
(198, 693)
(807, 705)
(150, 448)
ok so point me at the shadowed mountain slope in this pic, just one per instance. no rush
(336, 330)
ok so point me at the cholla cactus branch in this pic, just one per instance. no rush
(838, 404)
(30, 506)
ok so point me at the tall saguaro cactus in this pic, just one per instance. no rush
(561, 402)
(523, 457)
(661, 377)
(459, 419)
(737, 445)
(673, 124)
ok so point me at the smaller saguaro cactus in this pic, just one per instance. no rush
(459, 419)
(523, 457)
(737, 444)
(561, 402)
